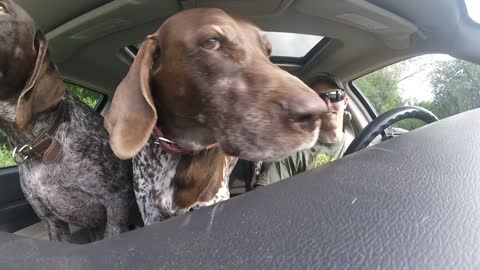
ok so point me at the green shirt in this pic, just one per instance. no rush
(318, 155)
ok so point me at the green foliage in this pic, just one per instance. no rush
(409, 124)
(456, 87)
(5, 154)
(381, 88)
(455, 83)
(89, 97)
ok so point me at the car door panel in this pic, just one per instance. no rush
(15, 212)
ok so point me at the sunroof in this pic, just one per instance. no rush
(473, 8)
(286, 47)
(292, 44)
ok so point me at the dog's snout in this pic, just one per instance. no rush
(304, 111)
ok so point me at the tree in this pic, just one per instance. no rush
(456, 87)
(381, 87)
(5, 154)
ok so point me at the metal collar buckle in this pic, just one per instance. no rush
(160, 139)
(18, 156)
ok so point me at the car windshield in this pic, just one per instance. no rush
(473, 8)
(440, 83)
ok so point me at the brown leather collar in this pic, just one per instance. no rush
(45, 146)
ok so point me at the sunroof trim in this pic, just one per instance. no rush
(292, 45)
(313, 46)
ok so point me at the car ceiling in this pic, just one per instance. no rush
(87, 38)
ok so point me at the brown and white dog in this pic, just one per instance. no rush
(205, 78)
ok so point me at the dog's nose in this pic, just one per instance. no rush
(305, 110)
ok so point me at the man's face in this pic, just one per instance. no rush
(333, 119)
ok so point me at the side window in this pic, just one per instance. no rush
(87, 96)
(439, 83)
(91, 98)
(5, 154)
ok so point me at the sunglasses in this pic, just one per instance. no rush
(334, 96)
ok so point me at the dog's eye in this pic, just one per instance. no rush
(3, 8)
(211, 44)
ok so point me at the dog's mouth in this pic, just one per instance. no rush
(269, 150)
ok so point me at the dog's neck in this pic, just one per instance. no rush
(16, 136)
(179, 183)
(197, 178)
(189, 135)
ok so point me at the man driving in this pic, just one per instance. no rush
(331, 142)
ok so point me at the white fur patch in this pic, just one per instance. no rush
(155, 195)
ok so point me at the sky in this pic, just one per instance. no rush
(473, 7)
(292, 44)
(417, 86)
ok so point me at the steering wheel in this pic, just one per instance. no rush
(385, 120)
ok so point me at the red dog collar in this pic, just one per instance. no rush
(172, 147)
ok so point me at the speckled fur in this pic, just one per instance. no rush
(88, 186)
(153, 172)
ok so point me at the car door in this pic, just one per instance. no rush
(15, 211)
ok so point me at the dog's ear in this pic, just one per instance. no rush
(132, 115)
(44, 88)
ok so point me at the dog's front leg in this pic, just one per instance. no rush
(58, 231)
(96, 234)
(117, 219)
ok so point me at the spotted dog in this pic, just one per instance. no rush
(67, 169)
(201, 93)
